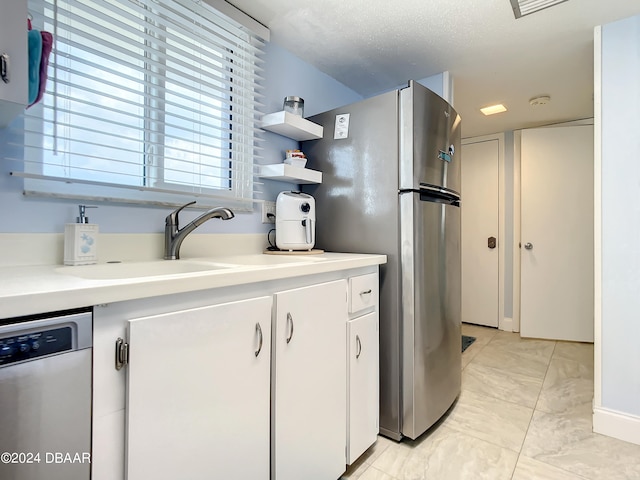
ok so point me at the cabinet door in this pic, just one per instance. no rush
(13, 44)
(363, 385)
(309, 383)
(198, 395)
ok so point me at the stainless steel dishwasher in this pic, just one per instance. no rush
(45, 397)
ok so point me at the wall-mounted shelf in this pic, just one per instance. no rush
(292, 126)
(289, 173)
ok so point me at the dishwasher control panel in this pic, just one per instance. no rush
(25, 346)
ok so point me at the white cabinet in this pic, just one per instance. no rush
(195, 397)
(309, 383)
(198, 393)
(363, 397)
(109, 385)
(13, 47)
(363, 380)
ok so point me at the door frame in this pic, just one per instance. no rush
(503, 323)
(517, 184)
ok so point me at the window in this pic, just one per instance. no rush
(148, 101)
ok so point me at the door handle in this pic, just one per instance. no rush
(491, 242)
(358, 346)
(259, 332)
(290, 322)
(528, 246)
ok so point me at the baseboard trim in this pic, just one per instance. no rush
(506, 324)
(616, 424)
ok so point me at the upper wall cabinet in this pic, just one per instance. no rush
(13, 60)
(291, 126)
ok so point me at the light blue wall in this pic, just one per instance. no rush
(285, 75)
(507, 243)
(621, 215)
(288, 75)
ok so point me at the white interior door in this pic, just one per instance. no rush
(557, 233)
(480, 222)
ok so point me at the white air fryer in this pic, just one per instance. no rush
(295, 221)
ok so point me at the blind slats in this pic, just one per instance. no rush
(141, 95)
(113, 40)
(212, 37)
(249, 129)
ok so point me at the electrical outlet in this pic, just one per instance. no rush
(268, 212)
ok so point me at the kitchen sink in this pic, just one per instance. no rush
(124, 270)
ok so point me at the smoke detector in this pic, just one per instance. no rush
(527, 7)
(538, 101)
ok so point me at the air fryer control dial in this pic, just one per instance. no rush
(305, 207)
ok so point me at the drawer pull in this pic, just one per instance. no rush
(259, 332)
(4, 68)
(290, 322)
(358, 346)
(366, 292)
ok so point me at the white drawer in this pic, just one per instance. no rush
(363, 292)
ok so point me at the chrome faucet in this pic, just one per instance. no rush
(174, 235)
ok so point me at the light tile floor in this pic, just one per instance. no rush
(524, 414)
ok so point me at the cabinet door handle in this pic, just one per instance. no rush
(259, 332)
(4, 68)
(358, 346)
(289, 322)
(366, 292)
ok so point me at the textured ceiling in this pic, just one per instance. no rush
(376, 45)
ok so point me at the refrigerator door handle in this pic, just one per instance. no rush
(435, 190)
(438, 194)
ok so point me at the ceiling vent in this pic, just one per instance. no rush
(527, 7)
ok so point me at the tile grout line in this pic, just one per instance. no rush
(505, 399)
(537, 410)
(535, 407)
(480, 350)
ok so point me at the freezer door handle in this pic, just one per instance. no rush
(491, 242)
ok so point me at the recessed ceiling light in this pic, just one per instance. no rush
(527, 7)
(538, 101)
(493, 109)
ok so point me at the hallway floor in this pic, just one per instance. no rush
(524, 414)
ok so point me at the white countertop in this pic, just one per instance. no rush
(26, 290)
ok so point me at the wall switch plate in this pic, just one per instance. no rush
(268, 212)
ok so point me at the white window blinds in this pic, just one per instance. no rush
(150, 101)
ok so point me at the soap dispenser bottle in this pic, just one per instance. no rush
(81, 240)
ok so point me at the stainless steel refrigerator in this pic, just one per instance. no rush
(391, 183)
